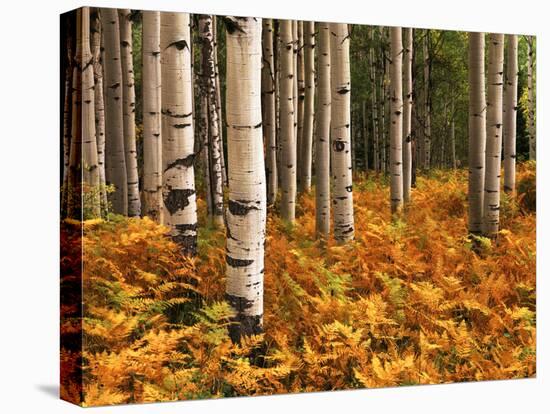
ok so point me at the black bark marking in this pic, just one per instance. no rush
(179, 44)
(243, 325)
(169, 113)
(231, 261)
(242, 207)
(177, 199)
(343, 90)
(339, 146)
(185, 162)
(180, 126)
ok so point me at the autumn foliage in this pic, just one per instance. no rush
(408, 302)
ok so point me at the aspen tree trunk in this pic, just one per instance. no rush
(476, 131)
(453, 138)
(308, 102)
(99, 105)
(300, 71)
(510, 119)
(288, 137)
(322, 135)
(365, 128)
(407, 113)
(268, 105)
(247, 209)
(129, 116)
(178, 175)
(495, 80)
(114, 126)
(218, 98)
(382, 106)
(152, 138)
(396, 114)
(340, 133)
(209, 78)
(90, 170)
(530, 101)
(205, 149)
(67, 121)
(295, 83)
(374, 106)
(427, 102)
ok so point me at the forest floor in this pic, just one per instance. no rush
(408, 302)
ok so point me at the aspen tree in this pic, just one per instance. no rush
(407, 112)
(491, 201)
(268, 105)
(374, 104)
(67, 118)
(396, 116)
(322, 135)
(308, 102)
(427, 101)
(340, 133)
(178, 176)
(510, 116)
(247, 207)
(218, 98)
(129, 116)
(152, 139)
(453, 138)
(288, 137)
(300, 73)
(114, 126)
(530, 101)
(295, 82)
(209, 87)
(476, 131)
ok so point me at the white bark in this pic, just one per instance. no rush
(114, 129)
(178, 176)
(300, 73)
(340, 133)
(396, 116)
(246, 213)
(491, 202)
(407, 112)
(427, 103)
(152, 138)
(308, 102)
(510, 116)
(530, 100)
(322, 135)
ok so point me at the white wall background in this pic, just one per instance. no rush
(29, 162)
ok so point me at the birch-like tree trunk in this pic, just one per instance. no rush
(308, 103)
(114, 123)
(152, 137)
(427, 102)
(453, 138)
(209, 86)
(530, 101)
(322, 135)
(300, 73)
(218, 98)
(407, 112)
(365, 129)
(510, 116)
(495, 80)
(288, 137)
(129, 115)
(342, 198)
(477, 131)
(247, 207)
(96, 44)
(268, 106)
(382, 103)
(295, 84)
(178, 175)
(67, 120)
(396, 116)
(374, 104)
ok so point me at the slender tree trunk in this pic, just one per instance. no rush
(288, 137)
(178, 175)
(491, 205)
(427, 102)
(453, 138)
(407, 113)
(246, 215)
(268, 105)
(322, 135)
(300, 73)
(67, 122)
(209, 79)
(205, 149)
(114, 123)
(99, 104)
(374, 105)
(382, 105)
(365, 129)
(342, 198)
(476, 131)
(129, 116)
(511, 101)
(396, 112)
(218, 98)
(152, 137)
(530, 101)
(307, 101)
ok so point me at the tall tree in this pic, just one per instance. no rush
(510, 115)
(268, 106)
(374, 104)
(530, 101)
(427, 101)
(322, 135)
(407, 112)
(396, 114)
(476, 131)
(287, 136)
(114, 123)
(340, 133)
(178, 175)
(495, 80)
(308, 102)
(67, 115)
(246, 214)
(129, 113)
(152, 139)
(218, 96)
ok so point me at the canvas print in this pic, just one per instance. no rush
(257, 206)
